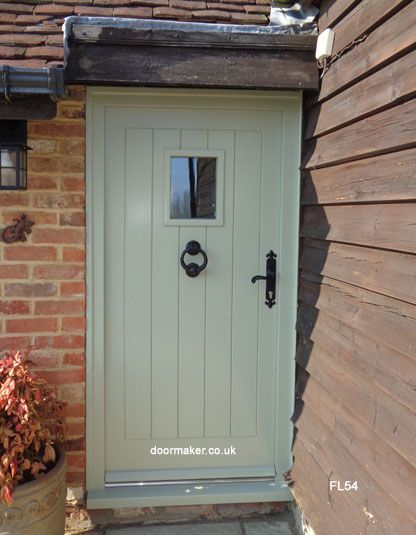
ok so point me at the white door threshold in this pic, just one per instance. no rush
(276, 490)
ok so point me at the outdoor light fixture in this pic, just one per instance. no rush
(13, 155)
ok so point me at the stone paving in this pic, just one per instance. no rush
(235, 527)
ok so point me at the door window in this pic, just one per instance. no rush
(194, 187)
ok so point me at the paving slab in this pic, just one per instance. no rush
(223, 528)
(268, 528)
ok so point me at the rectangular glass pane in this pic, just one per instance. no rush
(192, 187)
(8, 177)
(8, 158)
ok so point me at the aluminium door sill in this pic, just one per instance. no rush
(190, 493)
(187, 481)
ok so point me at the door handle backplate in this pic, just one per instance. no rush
(270, 279)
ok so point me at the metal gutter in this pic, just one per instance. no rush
(29, 81)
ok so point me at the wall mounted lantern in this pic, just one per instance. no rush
(13, 155)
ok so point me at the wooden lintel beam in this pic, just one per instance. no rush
(27, 107)
(196, 66)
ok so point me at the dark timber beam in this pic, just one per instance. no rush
(174, 55)
(27, 107)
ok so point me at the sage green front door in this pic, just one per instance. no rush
(189, 361)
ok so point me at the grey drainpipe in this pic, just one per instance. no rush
(28, 81)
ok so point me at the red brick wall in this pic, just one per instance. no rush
(42, 281)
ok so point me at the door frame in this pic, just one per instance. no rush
(98, 496)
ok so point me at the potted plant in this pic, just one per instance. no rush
(32, 465)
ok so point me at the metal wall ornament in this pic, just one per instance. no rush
(18, 231)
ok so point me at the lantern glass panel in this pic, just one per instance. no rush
(13, 172)
(8, 157)
(8, 177)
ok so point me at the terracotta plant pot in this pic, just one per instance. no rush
(38, 507)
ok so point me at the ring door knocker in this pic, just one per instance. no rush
(193, 248)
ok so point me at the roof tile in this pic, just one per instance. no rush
(26, 62)
(211, 14)
(22, 39)
(31, 30)
(188, 4)
(247, 18)
(53, 9)
(112, 3)
(153, 3)
(73, 2)
(171, 13)
(47, 52)
(15, 8)
(93, 11)
(7, 17)
(53, 39)
(45, 27)
(24, 20)
(225, 7)
(257, 9)
(9, 28)
(12, 51)
(242, 2)
(133, 12)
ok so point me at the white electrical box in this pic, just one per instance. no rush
(324, 44)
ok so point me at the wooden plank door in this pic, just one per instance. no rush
(189, 362)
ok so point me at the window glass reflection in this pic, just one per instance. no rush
(7, 168)
(192, 187)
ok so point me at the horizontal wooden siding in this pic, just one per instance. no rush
(356, 370)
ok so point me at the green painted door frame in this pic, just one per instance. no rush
(288, 104)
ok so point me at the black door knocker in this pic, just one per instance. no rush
(193, 248)
(270, 279)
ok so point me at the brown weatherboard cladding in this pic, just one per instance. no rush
(356, 402)
(31, 32)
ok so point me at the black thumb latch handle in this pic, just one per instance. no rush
(193, 248)
(270, 279)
